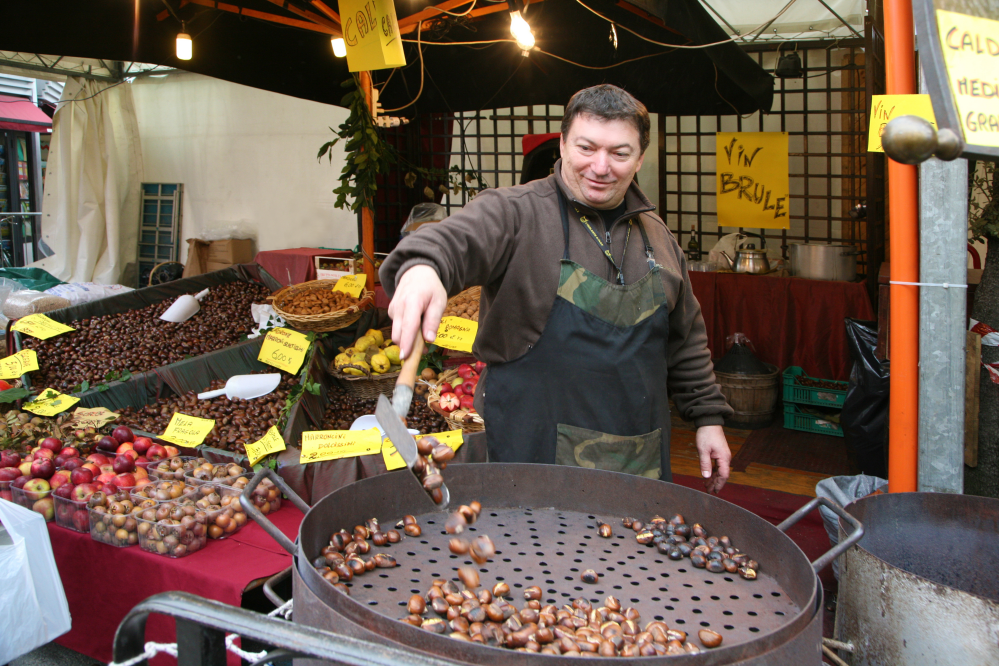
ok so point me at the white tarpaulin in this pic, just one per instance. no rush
(90, 210)
(805, 19)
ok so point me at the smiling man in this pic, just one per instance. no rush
(587, 319)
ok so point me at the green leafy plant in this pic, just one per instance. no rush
(14, 394)
(81, 387)
(433, 358)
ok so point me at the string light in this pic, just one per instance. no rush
(339, 47)
(521, 32)
(185, 47)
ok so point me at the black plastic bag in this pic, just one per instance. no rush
(865, 411)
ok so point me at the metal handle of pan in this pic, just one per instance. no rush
(258, 516)
(269, 584)
(855, 535)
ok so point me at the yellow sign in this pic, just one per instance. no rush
(457, 333)
(753, 184)
(351, 284)
(371, 33)
(92, 418)
(970, 48)
(887, 107)
(335, 444)
(270, 443)
(285, 349)
(50, 402)
(14, 366)
(391, 456)
(187, 430)
(452, 438)
(41, 327)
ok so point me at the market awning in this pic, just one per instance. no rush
(20, 115)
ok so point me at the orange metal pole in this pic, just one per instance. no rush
(367, 215)
(903, 203)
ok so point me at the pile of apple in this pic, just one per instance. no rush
(461, 395)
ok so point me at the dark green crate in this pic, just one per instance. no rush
(794, 419)
(807, 395)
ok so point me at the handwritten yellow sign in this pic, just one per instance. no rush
(50, 402)
(187, 430)
(393, 460)
(351, 284)
(285, 349)
(970, 48)
(272, 442)
(41, 327)
(371, 33)
(92, 418)
(452, 438)
(335, 444)
(753, 184)
(457, 333)
(887, 107)
(14, 366)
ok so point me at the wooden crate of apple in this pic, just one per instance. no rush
(454, 393)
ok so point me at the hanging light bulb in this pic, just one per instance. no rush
(521, 32)
(185, 48)
(339, 47)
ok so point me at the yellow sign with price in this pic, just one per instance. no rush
(50, 402)
(284, 349)
(41, 327)
(270, 443)
(457, 333)
(335, 444)
(187, 430)
(14, 366)
(351, 284)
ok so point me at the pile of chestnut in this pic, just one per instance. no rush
(138, 340)
(348, 553)
(176, 528)
(676, 540)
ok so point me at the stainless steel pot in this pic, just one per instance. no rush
(818, 261)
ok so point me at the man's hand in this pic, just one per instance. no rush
(419, 296)
(712, 446)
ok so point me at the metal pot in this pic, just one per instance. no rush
(542, 518)
(750, 261)
(818, 261)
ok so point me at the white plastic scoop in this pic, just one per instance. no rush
(185, 307)
(245, 387)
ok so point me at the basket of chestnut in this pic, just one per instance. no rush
(175, 529)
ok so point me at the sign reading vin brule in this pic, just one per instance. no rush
(959, 51)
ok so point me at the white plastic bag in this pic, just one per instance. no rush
(33, 607)
(85, 292)
(843, 490)
(266, 318)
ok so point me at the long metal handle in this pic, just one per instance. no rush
(258, 516)
(856, 535)
(269, 584)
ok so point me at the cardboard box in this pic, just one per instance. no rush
(217, 266)
(232, 251)
(197, 257)
(327, 274)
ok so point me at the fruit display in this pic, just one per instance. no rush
(370, 355)
(72, 514)
(454, 394)
(163, 491)
(207, 472)
(221, 503)
(314, 301)
(174, 468)
(36, 495)
(237, 421)
(266, 496)
(138, 340)
(19, 431)
(342, 265)
(114, 518)
(174, 529)
(464, 305)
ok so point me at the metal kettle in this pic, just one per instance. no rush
(749, 260)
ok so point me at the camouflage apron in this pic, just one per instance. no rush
(592, 391)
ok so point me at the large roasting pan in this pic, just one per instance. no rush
(542, 519)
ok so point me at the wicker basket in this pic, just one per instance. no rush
(368, 387)
(328, 321)
(459, 419)
(473, 292)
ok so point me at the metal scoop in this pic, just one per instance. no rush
(245, 387)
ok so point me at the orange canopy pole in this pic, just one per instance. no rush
(368, 215)
(903, 211)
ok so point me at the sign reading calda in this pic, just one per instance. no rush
(371, 33)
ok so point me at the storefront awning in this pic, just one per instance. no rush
(20, 115)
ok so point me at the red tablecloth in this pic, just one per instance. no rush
(791, 321)
(104, 583)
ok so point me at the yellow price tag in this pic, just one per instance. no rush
(270, 443)
(41, 327)
(351, 284)
(187, 430)
(457, 333)
(284, 349)
(391, 456)
(335, 444)
(886, 107)
(20, 363)
(452, 438)
(92, 418)
(50, 402)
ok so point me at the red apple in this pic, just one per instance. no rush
(446, 388)
(123, 464)
(36, 489)
(124, 446)
(9, 473)
(130, 454)
(99, 459)
(105, 478)
(123, 434)
(64, 491)
(142, 444)
(465, 370)
(468, 387)
(92, 467)
(126, 480)
(25, 468)
(171, 451)
(108, 444)
(449, 402)
(20, 482)
(141, 462)
(44, 453)
(141, 481)
(480, 366)
(9, 458)
(42, 468)
(73, 463)
(69, 451)
(51, 443)
(81, 520)
(60, 478)
(81, 475)
(108, 489)
(458, 391)
(140, 473)
(59, 461)
(84, 491)
(156, 452)
(46, 507)
(467, 402)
